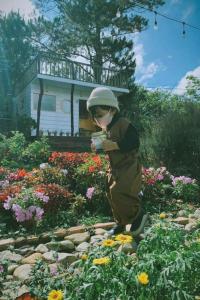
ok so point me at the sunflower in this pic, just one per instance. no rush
(108, 243)
(143, 278)
(124, 238)
(101, 261)
(55, 295)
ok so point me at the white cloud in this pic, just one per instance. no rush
(180, 88)
(144, 71)
(25, 7)
(175, 2)
(187, 12)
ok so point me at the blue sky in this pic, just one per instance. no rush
(164, 58)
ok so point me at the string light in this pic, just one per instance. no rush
(118, 14)
(183, 32)
(155, 21)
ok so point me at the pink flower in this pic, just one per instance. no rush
(90, 192)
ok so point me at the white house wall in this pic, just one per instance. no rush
(56, 121)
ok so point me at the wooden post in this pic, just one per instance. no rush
(39, 107)
(72, 110)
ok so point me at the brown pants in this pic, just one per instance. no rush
(122, 189)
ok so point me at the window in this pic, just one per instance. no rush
(48, 102)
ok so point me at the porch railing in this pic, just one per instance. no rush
(64, 68)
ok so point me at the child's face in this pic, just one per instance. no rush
(100, 112)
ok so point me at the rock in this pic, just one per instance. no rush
(32, 258)
(190, 227)
(7, 254)
(95, 239)
(53, 268)
(61, 257)
(128, 248)
(100, 231)
(76, 229)
(20, 241)
(181, 220)
(45, 237)
(66, 245)
(25, 250)
(5, 243)
(60, 233)
(78, 238)
(104, 225)
(53, 246)
(33, 239)
(41, 248)
(23, 272)
(11, 268)
(83, 247)
(9, 277)
(182, 213)
(197, 213)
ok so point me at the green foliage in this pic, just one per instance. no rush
(37, 152)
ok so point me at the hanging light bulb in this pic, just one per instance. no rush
(155, 21)
(118, 14)
(183, 32)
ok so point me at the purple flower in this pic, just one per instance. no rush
(90, 192)
(42, 197)
(39, 213)
(160, 177)
(182, 179)
(8, 203)
(20, 213)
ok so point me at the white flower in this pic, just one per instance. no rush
(44, 166)
(64, 171)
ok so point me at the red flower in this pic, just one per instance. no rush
(26, 296)
(91, 169)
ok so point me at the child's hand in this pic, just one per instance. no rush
(93, 148)
(109, 145)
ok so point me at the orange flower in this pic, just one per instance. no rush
(91, 169)
(21, 173)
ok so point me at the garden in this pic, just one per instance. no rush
(54, 218)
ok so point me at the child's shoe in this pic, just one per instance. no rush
(118, 228)
(138, 224)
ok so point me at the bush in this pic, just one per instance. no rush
(177, 140)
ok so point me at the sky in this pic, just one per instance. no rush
(163, 57)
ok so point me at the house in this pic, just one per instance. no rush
(53, 91)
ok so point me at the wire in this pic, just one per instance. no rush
(167, 17)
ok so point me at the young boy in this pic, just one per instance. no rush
(124, 174)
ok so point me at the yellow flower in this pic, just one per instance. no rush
(108, 243)
(84, 257)
(124, 238)
(101, 261)
(55, 295)
(143, 278)
(163, 216)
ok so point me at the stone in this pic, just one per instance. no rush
(53, 256)
(11, 268)
(41, 248)
(104, 225)
(44, 237)
(23, 272)
(100, 231)
(181, 220)
(5, 243)
(83, 247)
(53, 268)
(25, 250)
(53, 246)
(76, 229)
(60, 233)
(182, 213)
(33, 239)
(78, 238)
(32, 258)
(128, 248)
(95, 239)
(20, 241)
(67, 246)
(197, 213)
(7, 254)
(190, 227)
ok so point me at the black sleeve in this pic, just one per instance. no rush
(130, 140)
